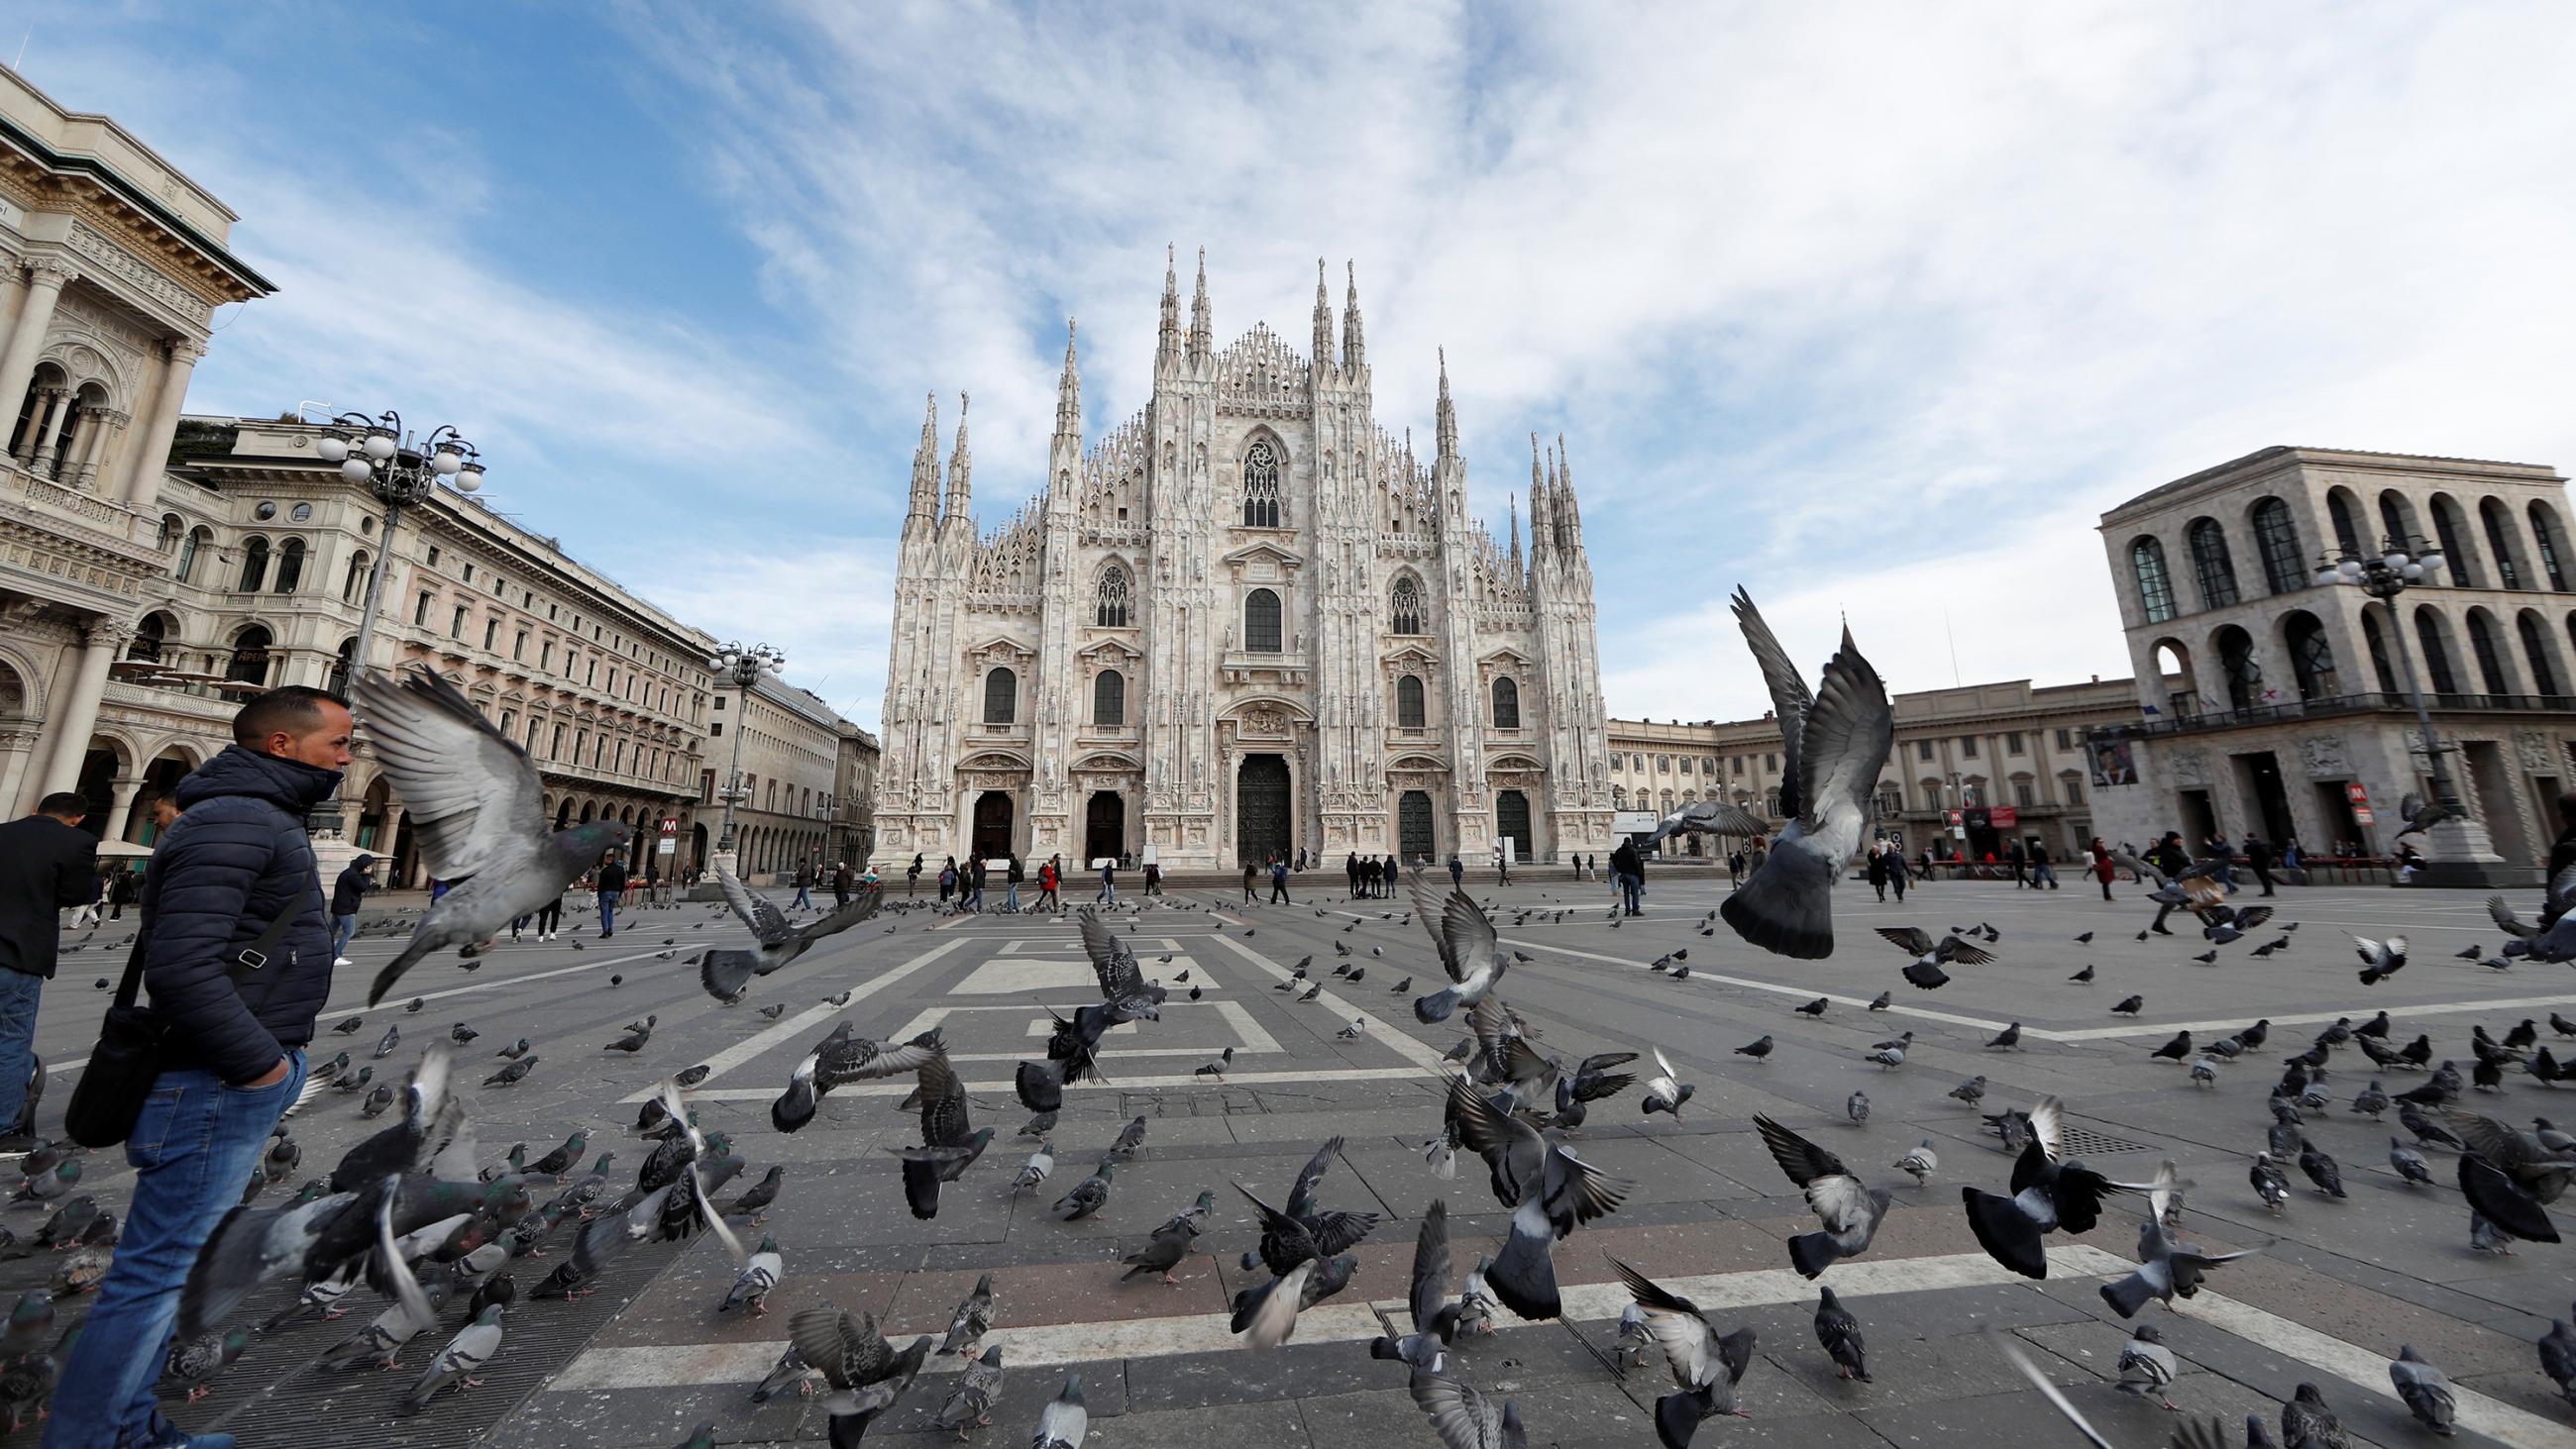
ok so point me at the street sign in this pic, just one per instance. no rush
(2357, 795)
(670, 826)
(2361, 815)
(1633, 822)
(669, 846)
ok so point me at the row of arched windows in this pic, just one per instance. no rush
(1109, 700)
(2286, 567)
(2445, 668)
(1411, 715)
(1114, 608)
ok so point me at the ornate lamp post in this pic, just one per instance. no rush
(742, 666)
(2403, 563)
(379, 455)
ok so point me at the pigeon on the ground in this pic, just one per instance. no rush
(1836, 740)
(970, 1404)
(972, 1320)
(2006, 1039)
(1921, 1163)
(2147, 1367)
(458, 1363)
(1088, 1196)
(1665, 1091)
(1065, 1420)
(2306, 1420)
(476, 806)
(1839, 1333)
(1756, 1050)
(2426, 1390)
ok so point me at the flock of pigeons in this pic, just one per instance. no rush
(413, 1214)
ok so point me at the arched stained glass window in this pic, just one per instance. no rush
(1114, 597)
(1507, 704)
(1261, 485)
(1408, 702)
(1405, 607)
(1001, 697)
(1109, 698)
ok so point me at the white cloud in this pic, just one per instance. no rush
(828, 606)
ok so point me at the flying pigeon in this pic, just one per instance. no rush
(476, 804)
(727, 975)
(1849, 1209)
(1705, 1364)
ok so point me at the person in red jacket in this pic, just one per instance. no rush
(1050, 877)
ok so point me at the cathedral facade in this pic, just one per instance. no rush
(1246, 620)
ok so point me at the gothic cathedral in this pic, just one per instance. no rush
(1246, 621)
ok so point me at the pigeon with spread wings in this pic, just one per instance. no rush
(1709, 817)
(477, 806)
(1835, 740)
(1849, 1208)
(947, 1147)
(1470, 951)
(727, 974)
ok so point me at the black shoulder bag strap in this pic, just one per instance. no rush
(251, 958)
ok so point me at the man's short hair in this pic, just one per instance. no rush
(295, 710)
(64, 804)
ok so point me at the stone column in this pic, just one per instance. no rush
(46, 277)
(57, 411)
(93, 450)
(141, 472)
(73, 709)
(120, 812)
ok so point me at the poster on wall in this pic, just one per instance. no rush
(2112, 762)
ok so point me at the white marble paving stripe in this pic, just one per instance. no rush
(1402, 1042)
(1117, 1082)
(752, 1046)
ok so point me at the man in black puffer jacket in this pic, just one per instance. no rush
(235, 861)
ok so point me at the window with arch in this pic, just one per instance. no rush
(2155, 586)
(1261, 622)
(2483, 643)
(2499, 527)
(2437, 657)
(2211, 564)
(1507, 703)
(2244, 672)
(2552, 546)
(195, 543)
(2535, 651)
(1109, 699)
(1001, 697)
(290, 566)
(2347, 532)
(356, 578)
(2311, 655)
(150, 636)
(2463, 564)
(173, 528)
(2277, 539)
(2396, 517)
(1115, 595)
(1261, 485)
(1404, 606)
(250, 657)
(1408, 702)
(2377, 643)
(254, 570)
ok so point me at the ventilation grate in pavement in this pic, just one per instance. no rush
(2085, 1142)
(310, 1408)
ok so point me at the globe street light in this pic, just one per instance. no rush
(2400, 564)
(377, 454)
(743, 666)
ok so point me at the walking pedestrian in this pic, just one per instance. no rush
(1252, 878)
(1734, 867)
(123, 889)
(804, 887)
(947, 879)
(1899, 871)
(1878, 870)
(2014, 857)
(1012, 874)
(841, 883)
(2258, 859)
(1351, 868)
(1502, 865)
(912, 876)
(1050, 879)
(1108, 880)
(47, 862)
(1279, 881)
(1628, 867)
(348, 892)
(611, 885)
(2041, 872)
(2102, 867)
(236, 872)
(1153, 878)
(1457, 872)
(1394, 872)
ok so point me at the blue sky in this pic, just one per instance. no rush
(1871, 308)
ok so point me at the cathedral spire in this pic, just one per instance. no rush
(1068, 391)
(1167, 346)
(925, 468)
(1323, 321)
(1565, 490)
(1541, 523)
(1202, 333)
(1448, 414)
(1354, 351)
(1515, 504)
(961, 466)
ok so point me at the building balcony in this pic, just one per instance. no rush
(2340, 706)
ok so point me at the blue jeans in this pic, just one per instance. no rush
(803, 901)
(193, 1147)
(19, 994)
(1011, 895)
(607, 913)
(342, 928)
(1630, 888)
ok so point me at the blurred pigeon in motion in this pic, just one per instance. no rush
(2048, 1192)
(1469, 950)
(1850, 1209)
(726, 975)
(2379, 959)
(1705, 1363)
(2426, 1390)
(478, 807)
(1836, 740)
